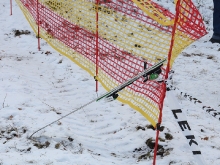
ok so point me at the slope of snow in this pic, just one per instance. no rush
(38, 87)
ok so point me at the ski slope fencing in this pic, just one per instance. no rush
(112, 39)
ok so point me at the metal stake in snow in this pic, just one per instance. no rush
(63, 117)
(113, 92)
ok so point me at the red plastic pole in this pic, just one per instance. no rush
(159, 122)
(172, 39)
(11, 7)
(38, 26)
(166, 76)
(97, 43)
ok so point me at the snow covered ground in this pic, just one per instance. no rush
(38, 87)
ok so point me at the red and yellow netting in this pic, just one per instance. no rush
(130, 32)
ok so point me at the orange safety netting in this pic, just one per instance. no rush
(130, 32)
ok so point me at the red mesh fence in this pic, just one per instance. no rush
(129, 35)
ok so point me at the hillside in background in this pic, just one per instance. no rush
(38, 87)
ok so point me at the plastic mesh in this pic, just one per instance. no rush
(130, 33)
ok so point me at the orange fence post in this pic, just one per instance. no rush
(97, 43)
(10, 7)
(166, 76)
(158, 124)
(38, 26)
